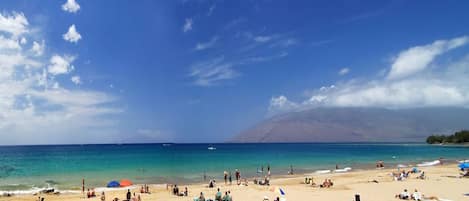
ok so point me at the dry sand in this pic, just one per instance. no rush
(441, 182)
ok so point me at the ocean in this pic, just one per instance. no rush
(25, 169)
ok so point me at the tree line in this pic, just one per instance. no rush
(457, 137)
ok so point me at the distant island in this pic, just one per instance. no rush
(459, 137)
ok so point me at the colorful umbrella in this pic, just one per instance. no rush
(113, 184)
(464, 165)
(125, 182)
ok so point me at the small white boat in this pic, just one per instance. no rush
(211, 148)
(343, 170)
(322, 171)
(427, 164)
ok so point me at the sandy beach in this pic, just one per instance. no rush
(441, 182)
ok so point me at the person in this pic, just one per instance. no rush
(147, 189)
(230, 178)
(422, 175)
(229, 196)
(416, 195)
(225, 176)
(93, 193)
(226, 197)
(83, 185)
(237, 175)
(336, 166)
(291, 170)
(404, 195)
(218, 195)
(103, 197)
(139, 198)
(186, 192)
(134, 198)
(129, 195)
(211, 184)
(201, 197)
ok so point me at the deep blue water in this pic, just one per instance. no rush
(63, 166)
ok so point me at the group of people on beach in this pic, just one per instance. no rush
(175, 191)
(145, 189)
(403, 175)
(416, 195)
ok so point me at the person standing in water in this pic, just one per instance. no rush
(230, 178)
(225, 176)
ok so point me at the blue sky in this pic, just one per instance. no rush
(202, 71)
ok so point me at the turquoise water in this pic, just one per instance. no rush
(64, 166)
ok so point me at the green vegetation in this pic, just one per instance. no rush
(457, 138)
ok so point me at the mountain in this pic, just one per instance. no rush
(357, 125)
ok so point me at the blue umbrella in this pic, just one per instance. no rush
(464, 165)
(113, 184)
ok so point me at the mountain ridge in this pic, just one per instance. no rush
(356, 125)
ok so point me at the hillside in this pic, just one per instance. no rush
(357, 125)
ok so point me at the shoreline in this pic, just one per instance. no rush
(362, 167)
(346, 185)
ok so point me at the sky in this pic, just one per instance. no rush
(77, 72)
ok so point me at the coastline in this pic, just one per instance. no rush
(440, 183)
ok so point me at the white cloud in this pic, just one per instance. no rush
(344, 71)
(209, 73)
(281, 104)
(38, 48)
(417, 58)
(72, 35)
(8, 44)
(76, 80)
(14, 23)
(60, 64)
(71, 6)
(445, 85)
(36, 109)
(262, 39)
(264, 58)
(23, 41)
(187, 25)
(206, 45)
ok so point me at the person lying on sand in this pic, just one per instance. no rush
(404, 195)
(326, 184)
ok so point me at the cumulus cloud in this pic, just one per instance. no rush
(13, 23)
(38, 48)
(7, 44)
(76, 80)
(72, 35)
(35, 108)
(187, 25)
(416, 59)
(61, 64)
(206, 45)
(71, 6)
(281, 104)
(209, 73)
(447, 84)
(344, 71)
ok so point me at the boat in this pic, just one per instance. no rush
(431, 163)
(343, 170)
(211, 148)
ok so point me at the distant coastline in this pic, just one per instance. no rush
(458, 138)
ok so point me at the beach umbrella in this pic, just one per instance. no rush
(125, 182)
(464, 165)
(113, 184)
